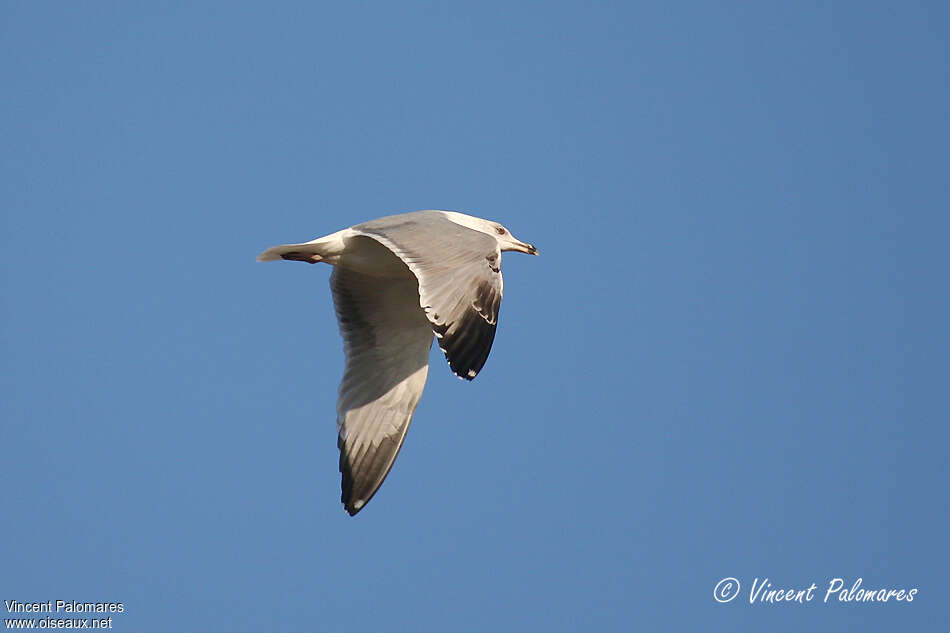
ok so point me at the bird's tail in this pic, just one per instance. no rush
(309, 252)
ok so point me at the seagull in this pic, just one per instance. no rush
(396, 281)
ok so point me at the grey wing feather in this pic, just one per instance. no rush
(386, 338)
(460, 281)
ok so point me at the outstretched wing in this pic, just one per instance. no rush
(386, 338)
(460, 282)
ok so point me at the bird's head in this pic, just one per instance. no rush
(506, 241)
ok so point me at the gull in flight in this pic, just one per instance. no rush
(397, 281)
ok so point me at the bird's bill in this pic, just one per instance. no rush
(521, 247)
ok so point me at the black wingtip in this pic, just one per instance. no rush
(362, 478)
(351, 505)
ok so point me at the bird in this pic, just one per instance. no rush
(397, 281)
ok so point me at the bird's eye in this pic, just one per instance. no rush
(500, 230)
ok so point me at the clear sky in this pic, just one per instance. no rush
(730, 359)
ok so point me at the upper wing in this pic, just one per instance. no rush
(460, 282)
(386, 339)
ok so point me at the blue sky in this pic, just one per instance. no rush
(729, 361)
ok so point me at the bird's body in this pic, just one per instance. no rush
(396, 281)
